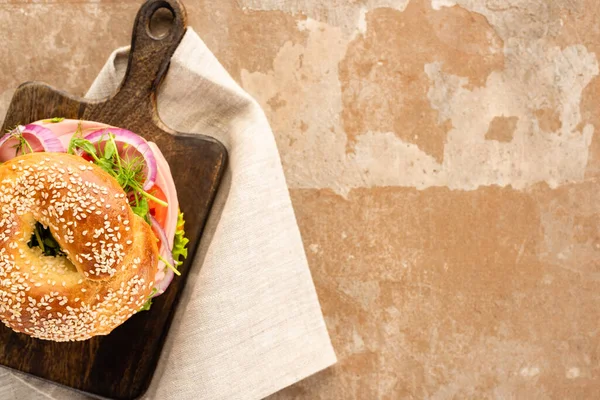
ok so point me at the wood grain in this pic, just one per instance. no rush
(121, 365)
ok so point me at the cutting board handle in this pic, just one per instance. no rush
(150, 54)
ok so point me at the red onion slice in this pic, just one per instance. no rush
(65, 129)
(39, 138)
(137, 145)
(165, 253)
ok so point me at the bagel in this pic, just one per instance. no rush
(111, 254)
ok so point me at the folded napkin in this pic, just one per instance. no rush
(249, 322)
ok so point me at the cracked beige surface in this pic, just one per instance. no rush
(417, 93)
(443, 158)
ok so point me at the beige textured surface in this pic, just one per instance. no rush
(443, 162)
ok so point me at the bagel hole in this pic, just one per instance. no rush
(42, 237)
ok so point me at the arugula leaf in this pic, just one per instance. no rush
(83, 144)
(79, 143)
(109, 150)
(142, 209)
(148, 302)
(146, 305)
(106, 165)
(180, 243)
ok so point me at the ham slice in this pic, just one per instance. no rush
(9, 149)
(164, 180)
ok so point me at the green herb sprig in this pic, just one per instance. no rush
(22, 146)
(54, 120)
(128, 173)
(168, 264)
(180, 250)
(148, 302)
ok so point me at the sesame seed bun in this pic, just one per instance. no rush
(111, 253)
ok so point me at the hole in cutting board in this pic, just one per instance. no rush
(161, 23)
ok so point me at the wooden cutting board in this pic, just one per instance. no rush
(121, 365)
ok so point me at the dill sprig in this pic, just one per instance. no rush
(128, 173)
(161, 258)
(22, 145)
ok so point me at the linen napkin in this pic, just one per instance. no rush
(249, 322)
